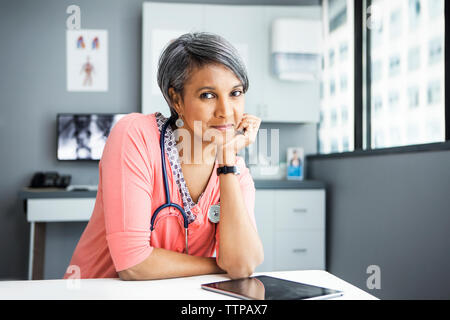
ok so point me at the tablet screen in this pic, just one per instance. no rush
(270, 288)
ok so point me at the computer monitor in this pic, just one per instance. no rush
(83, 136)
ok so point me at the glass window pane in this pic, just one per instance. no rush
(414, 59)
(336, 127)
(414, 9)
(407, 100)
(395, 24)
(337, 14)
(435, 8)
(343, 51)
(331, 58)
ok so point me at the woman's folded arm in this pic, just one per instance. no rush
(163, 264)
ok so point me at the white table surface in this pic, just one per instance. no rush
(187, 288)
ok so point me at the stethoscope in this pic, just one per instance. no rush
(214, 211)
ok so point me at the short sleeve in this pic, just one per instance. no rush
(248, 193)
(126, 182)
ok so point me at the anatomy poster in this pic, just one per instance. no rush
(87, 60)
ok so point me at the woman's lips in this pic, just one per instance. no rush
(223, 128)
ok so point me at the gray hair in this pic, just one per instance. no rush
(192, 50)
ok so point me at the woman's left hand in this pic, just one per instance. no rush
(249, 125)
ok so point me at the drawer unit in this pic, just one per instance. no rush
(299, 250)
(291, 225)
(299, 209)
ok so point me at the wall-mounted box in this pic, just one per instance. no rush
(296, 49)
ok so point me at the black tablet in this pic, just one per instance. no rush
(270, 288)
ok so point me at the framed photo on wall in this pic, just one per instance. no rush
(295, 163)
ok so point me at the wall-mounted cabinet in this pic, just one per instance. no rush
(248, 28)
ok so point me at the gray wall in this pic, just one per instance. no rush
(33, 91)
(392, 211)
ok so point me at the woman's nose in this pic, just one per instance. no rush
(224, 109)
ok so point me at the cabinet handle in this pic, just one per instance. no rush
(300, 250)
(300, 210)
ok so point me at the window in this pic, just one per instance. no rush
(434, 92)
(336, 127)
(415, 97)
(395, 24)
(376, 71)
(343, 83)
(392, 92)
(435, 8)
(377, 104)
(414, 9)
(337, 12)
(394, 65)
(332, 87)
(436, 50)
(414, 59)
(331, 58)
(343, 51)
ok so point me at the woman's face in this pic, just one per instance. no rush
(214, 97)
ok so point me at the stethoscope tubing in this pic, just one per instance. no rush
(166, 189)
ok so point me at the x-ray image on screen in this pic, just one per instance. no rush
(83, 136)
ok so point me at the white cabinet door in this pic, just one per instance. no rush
(300, 209)
(162, 22)
(300, 250)
(264, 210)
(241, 26)
(291, 226)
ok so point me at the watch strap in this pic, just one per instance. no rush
(227, 169)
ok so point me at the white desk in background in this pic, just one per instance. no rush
(187, 288)
(51, 205)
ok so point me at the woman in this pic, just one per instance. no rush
(203, 81)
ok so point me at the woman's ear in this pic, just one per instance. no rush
(175, 98)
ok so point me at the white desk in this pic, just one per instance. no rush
(169, 289)
(51, 205)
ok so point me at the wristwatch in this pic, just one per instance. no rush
(225, 170)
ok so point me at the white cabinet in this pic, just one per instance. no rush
(299, 250)
(241, 26)
(162, 22)
(281, 100)
(249, 29)
(299, 209)
(291, 225)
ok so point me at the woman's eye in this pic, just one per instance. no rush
(206, 95)
(236, 93)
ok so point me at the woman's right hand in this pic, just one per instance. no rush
(249, 127)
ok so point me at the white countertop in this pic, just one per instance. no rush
(187, 288)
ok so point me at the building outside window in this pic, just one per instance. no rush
(406, 67)
(413, 91)
(337, 103)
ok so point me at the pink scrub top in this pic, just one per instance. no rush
(130, 189)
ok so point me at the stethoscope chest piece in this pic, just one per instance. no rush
(214, 213)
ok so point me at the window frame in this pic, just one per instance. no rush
(362, 96)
